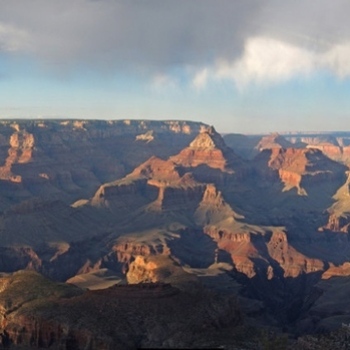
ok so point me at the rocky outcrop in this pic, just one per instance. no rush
(213, 209)
(339, 212)
(123, 195)
(210, 149)
(146, 186)
(298, 168)
(272, 141)
(157, 169)
(338, 223)
(335, 146)
(71, 158)
(161, 269)
(145, 270)
(172, 218)
(289, 259)
(179, 198)
(127, 250)
(251, 251)
(341, 270)
(238, 243)
(20, 151)
(39, 313)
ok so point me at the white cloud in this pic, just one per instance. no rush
(270, 61)
(266, 60)
(256, 41)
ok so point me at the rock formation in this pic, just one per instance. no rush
(299, 168)
(69, 159)
(208, 148)
(38, 313)
(273, 141)
(167, 202)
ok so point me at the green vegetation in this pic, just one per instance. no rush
(23, 287)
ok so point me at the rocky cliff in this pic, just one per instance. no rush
(208, 148)
(169, 202)
(70, 158)
(335, 145)
(299, 168)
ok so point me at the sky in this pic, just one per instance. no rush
(244, 66)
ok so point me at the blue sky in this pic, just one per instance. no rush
(248, 67)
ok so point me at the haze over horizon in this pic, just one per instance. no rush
(246, 67)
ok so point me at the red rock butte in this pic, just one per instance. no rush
(208, 148)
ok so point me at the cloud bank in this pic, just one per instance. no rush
(246, 42)
(268, 61)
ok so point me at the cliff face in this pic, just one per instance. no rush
(273, 141)
(159, 269)
(70, 159)
(339, 212)
(299, 168)
(189, 210)
(157, 169)
(261, 252)
(335, 146)
(291, 261)
(163, 192)
(338, 223)
(210, 149)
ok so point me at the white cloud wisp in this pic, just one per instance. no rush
(266, 61)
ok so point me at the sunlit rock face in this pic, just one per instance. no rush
(169, 202)
(71, 158)
(299, 168)
(210, 149)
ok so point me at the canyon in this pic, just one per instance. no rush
(169, 223)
